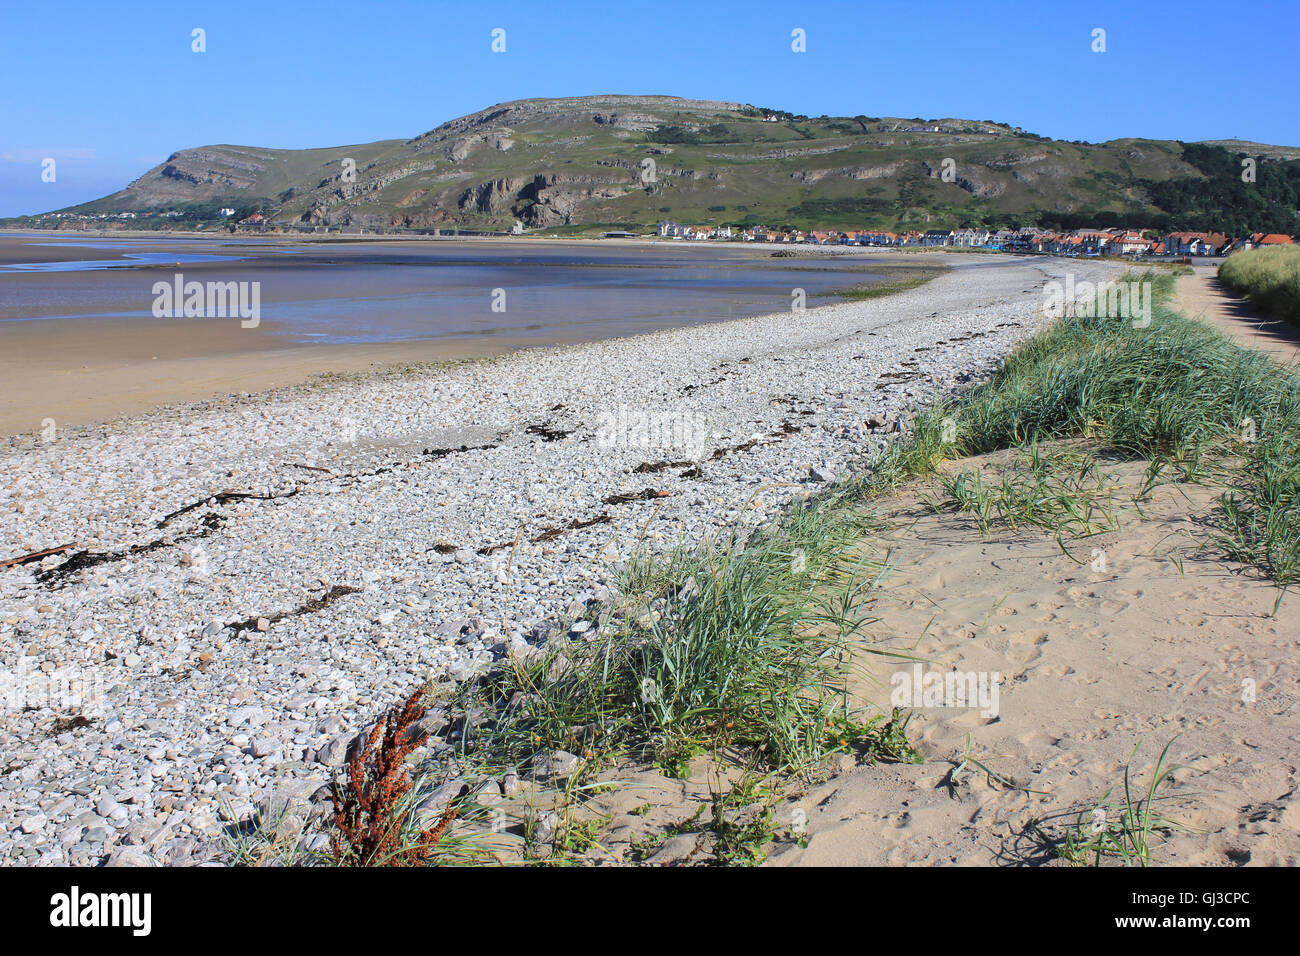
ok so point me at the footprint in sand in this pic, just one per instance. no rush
(1214, 762)
(1038, 740)
(972, 718)
(1059, 671)
(1067, 759)
(1020, 655)
(1029, 637)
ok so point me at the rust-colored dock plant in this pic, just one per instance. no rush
(369, 812)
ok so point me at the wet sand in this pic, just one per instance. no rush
(93, 370)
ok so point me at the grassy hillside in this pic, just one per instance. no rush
(565, 162)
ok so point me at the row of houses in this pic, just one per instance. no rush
(1127, 242)
(1078, 242)
(673, 230)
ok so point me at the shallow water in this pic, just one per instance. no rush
(390, 291)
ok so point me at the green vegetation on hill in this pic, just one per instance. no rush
(1223, 201)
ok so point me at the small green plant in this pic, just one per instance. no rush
(579, 836)
(676, 761)
(742, 822)
(954, 781)
(1120, 830)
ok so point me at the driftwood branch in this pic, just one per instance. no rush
(34, 556)
(220, 498)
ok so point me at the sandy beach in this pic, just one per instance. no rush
(1153, 645)
(83, 372)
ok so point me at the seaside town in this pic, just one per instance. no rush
(1126, 243)
(1077, 242)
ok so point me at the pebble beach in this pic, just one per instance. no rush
(249, 581)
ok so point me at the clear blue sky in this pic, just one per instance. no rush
(111, 88)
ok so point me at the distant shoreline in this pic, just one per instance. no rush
(807, 249)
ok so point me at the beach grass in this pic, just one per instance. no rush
(1052, 488)
(741, 645)
(1120, 827)
(1269, 277)
(1176, 393)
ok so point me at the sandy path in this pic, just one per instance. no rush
(1200, 296)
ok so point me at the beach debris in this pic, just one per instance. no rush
(650, 494)
(223, 497)
(547, 433)
(310, 606)
(651, 468)
(35, 556)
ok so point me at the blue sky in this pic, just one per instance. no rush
(110, 89)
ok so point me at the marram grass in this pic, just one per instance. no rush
(1176, 392)
(1269, 277)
